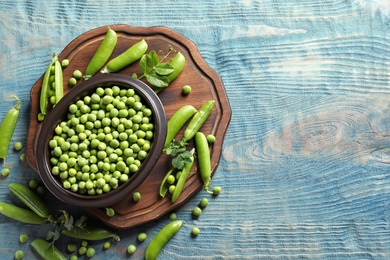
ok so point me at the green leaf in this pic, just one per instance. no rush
(143, 64)
(152, 59)
(69, 223)
(186, 155)
(178, 163)
(163, 69)
(157, 80)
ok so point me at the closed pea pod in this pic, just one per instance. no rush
(90, 232)
(30, 199)
(177, 121)
(58, 81)
(46, 250)
(44, 96)
(198, 120)
(102, 54)
(203, 151)
(7, 128)
(162, 237)
(21, 214)
(131, 55)
(177, 64)
(183, 177)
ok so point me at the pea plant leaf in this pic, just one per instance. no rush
(155, 70)
(157, 80)
(182, 159)
(163, 69)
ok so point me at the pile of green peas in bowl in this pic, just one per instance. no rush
(101, 140)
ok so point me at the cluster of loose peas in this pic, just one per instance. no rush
(104, 140)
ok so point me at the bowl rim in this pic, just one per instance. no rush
(58, 113)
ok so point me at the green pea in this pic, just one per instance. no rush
(72, 247)
(33, 184)
(72, 81)
(217, 190)
(64, 63)
(77, 74)
(106, 245)
(142, 237)
(19, 254)
(204, 202)
(90, 252)
(210, 138)
(5, 172)
(195, 231)
(22, 157)
(186, 89)
(136, 196)
(110, 212)
(171, 179)
(131, 249)
(197, 211)
(171, 189)
(173, 216)
(82, 250)
(18, 146)
(23, 238)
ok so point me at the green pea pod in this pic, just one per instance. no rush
(58, 81)
(177, 64)
(91, 233)
(128, 57)
(198, 120)
(177, 121)
(162, 237)
(23, 215)
(47, 250)
(183, 178)
(102, 54)
(164, 186)
(202, 148)
(7, 128)
(44, 96)
(30, 198)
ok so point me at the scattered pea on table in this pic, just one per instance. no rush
(5, 172)
(136, 196)
(131, 249)
(186, 89)
(23, 238)
(19, 254)
(197, 211)
(142, 237)
(18, 146)
(195, 231)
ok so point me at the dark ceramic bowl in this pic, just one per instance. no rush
(58, 114)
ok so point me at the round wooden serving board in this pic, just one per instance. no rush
(206, 85)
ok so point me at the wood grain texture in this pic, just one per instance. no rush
(305, 161)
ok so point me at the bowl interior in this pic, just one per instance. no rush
(58, 114)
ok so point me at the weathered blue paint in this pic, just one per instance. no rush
(305, 166)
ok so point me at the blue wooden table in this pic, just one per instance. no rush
(305, 162)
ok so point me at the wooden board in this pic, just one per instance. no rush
(206, 85)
